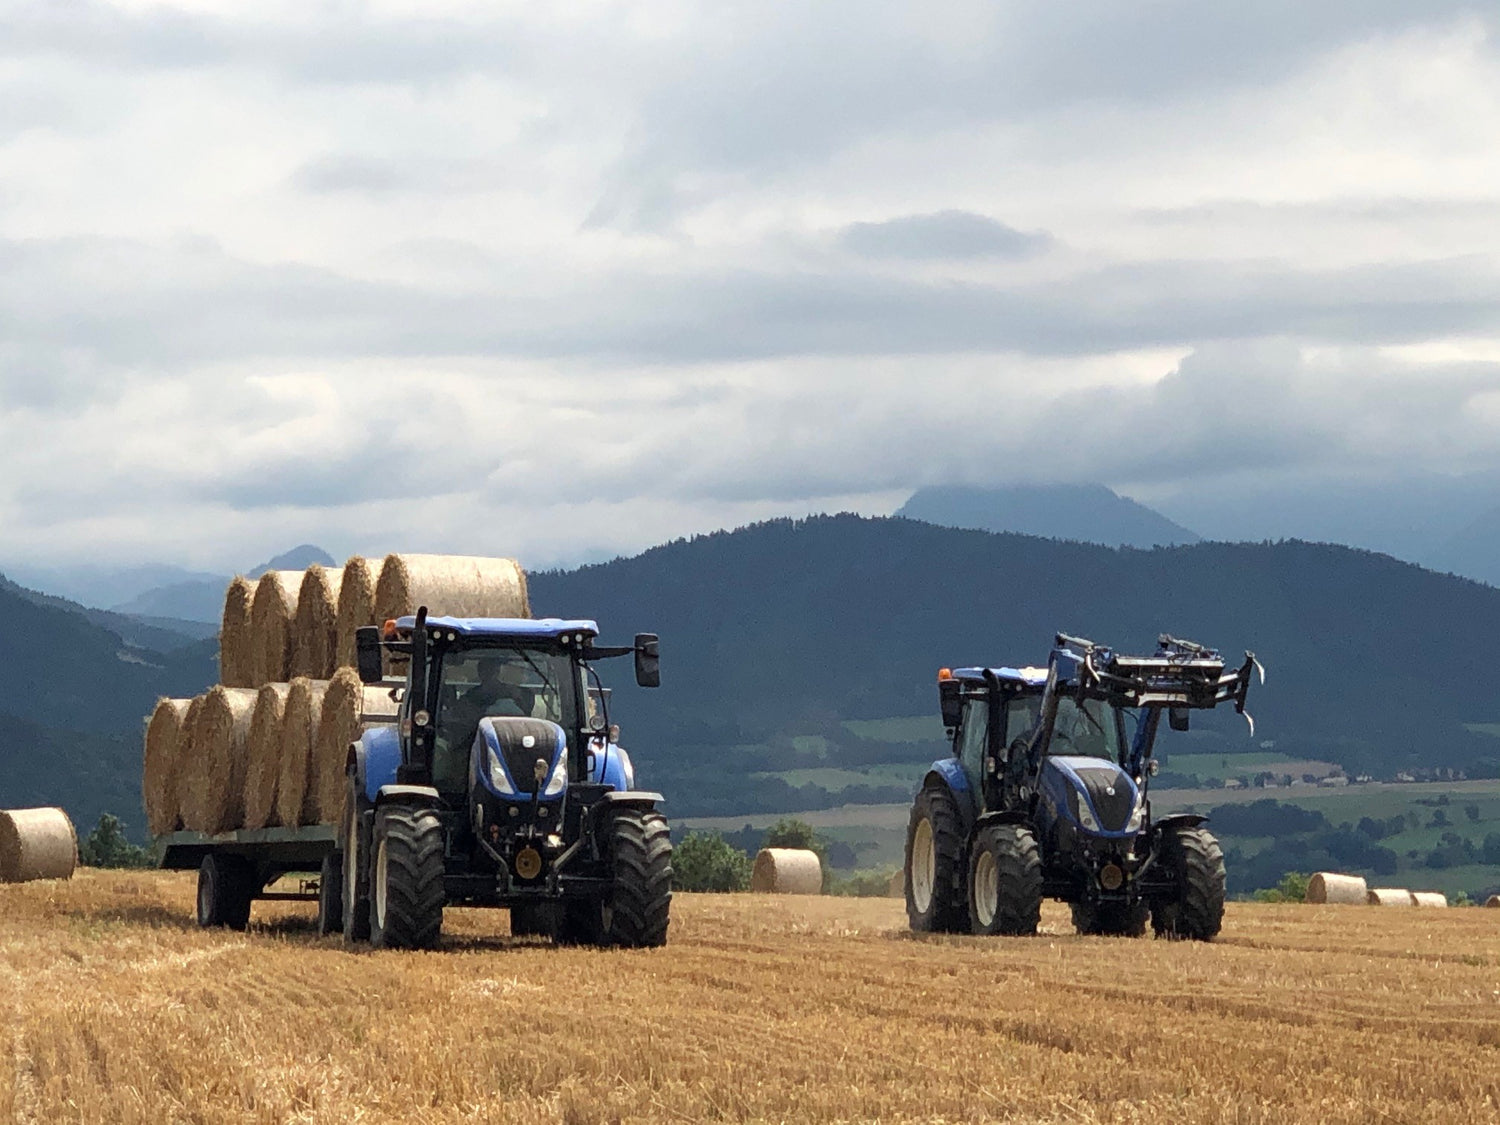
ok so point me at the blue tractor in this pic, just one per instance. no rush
(1044, 796)
(501, 784)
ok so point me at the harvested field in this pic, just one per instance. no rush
(782, 1008)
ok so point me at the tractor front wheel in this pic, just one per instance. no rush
(1005, 881)
(934, 864)
(406, 881)
(1196, 861)
(355, 884)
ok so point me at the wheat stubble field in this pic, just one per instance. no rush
(113, 1007)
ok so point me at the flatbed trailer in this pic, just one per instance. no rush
(236, 868)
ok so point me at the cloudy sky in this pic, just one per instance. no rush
(557, 280)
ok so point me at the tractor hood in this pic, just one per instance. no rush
(505, 755)
(1099, 786)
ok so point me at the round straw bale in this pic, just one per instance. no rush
(236, 641)
(1429, 898)
(787, 871)
(159, 773)
(348, 709)
(1388, 896)
(263, 756)
(37, 844)
(212, 788)
(315, 627)
(356, 606)
(271, 618)
(451, 586)
(296, 802)
(1493, 900)
(1329, 887)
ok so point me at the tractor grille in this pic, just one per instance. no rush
(521, 760)
(1113, 811)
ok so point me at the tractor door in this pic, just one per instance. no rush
(973, 737)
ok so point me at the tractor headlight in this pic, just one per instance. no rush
(559, 777)
(497, 772)
(1080, 806)
(1137, 819)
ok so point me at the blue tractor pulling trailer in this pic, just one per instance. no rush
(1045, 796)
(500, 784)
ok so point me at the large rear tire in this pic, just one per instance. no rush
(406, 879)
(354, 840)
(1005, 881)
(935, 864)
(1194, 857)
(227, 885)
(1110, 919)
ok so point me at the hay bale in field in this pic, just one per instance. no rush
(348, 708)
(1330, 887)
(451, 586)
(315, 626)
(160, 764)
(212, 786)
(236, 640)
(263, 757)
(296, 802)
(36, 844)
(1429, 898)
(272, 614)
(1389, 896)
(787, 871)
(356, 606)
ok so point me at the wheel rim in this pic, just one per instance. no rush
(351, 870)
(923, 866)
(379, 889)
(986, 888)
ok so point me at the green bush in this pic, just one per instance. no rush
(1292, 888)
(863, 884)
(106, 846)
(705, 861)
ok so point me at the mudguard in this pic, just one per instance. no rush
(375, 759)
(417, 796)
(1179, 820)
(949, 773)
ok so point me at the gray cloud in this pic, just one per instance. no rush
(943, 234)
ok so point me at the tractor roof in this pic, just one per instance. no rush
(505, 628)
(1030, 677)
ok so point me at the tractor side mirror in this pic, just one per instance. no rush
(949, 702)
(1177, 718)
(367, 654)
(647, 660)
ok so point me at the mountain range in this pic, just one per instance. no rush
(1088, 513)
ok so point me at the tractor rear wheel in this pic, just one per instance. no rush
(1113, 919)
(1005, 881)
(406, 880)
(227, 885)
(1197, 864)
(935, 864)
(331, 895)
(355, 884)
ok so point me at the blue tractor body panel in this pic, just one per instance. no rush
(509, 778)
(379, 756)
(1072, 784)
(505, 628)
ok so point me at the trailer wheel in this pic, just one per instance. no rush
(1005, 881)
(355, 884)
(1115, 919)
(331, 895)
(934, 864)
(406, 880)
(227, 885)
(1195, 859)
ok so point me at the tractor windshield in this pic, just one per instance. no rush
(479, 683)
(1090, 729)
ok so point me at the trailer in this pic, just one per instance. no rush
(235, 869)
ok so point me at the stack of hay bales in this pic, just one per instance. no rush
(1330, 887)
(787, 871)
(37, 844)
(266, 747)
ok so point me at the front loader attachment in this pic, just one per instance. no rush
(1180, 674)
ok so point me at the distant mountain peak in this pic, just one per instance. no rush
(298, 558)
(1088, 513)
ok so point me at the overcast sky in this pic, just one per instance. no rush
(557, 280)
